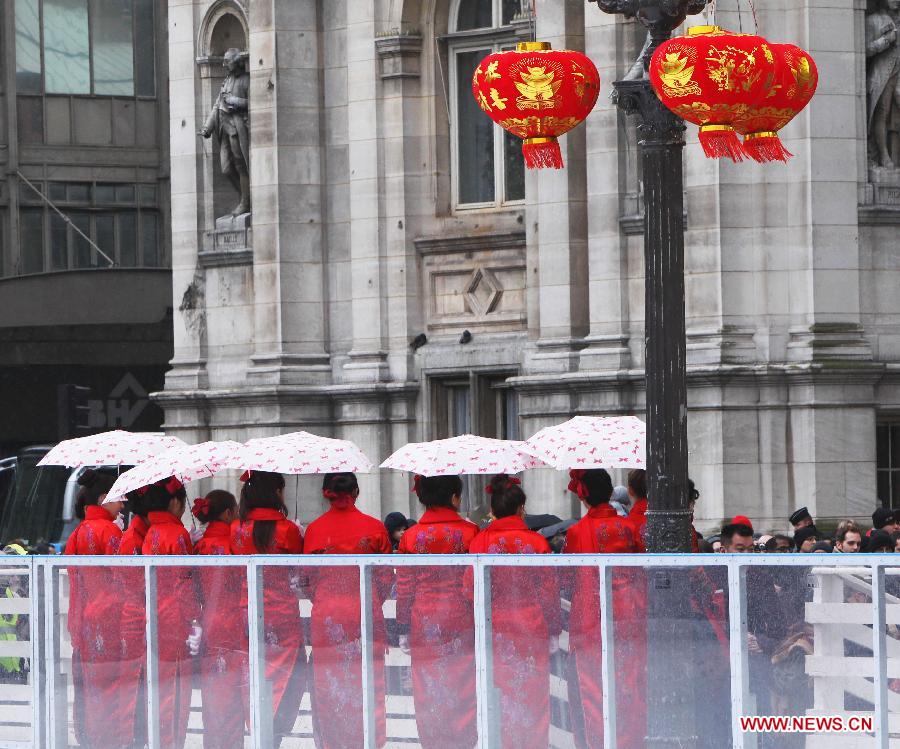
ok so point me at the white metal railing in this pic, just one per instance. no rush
(44, 587)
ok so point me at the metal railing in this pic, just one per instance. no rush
(44, 575)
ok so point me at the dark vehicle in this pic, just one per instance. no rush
(34, 501)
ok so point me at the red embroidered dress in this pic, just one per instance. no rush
(526, 611)
(177, 605)
(337, 676)
(223, 667)
(94, 627)
(285, 651)
(133, 715)
(602, 531)
(433, 607)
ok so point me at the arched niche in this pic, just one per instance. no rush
(224, 26)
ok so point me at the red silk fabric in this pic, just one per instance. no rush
(603, 531)
(433, 608)
(223, 664)
(285, 653)
(336, 688)
(526, 612)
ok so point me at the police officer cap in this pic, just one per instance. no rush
(799, 515)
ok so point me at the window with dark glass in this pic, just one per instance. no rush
(488, 169)
(887, 445)
(480, 403)
(121, 219)
(101, 47)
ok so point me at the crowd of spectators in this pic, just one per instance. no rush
(738, 536)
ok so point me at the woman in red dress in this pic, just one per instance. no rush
(603, 531)
(93, 615)
(434, 618)
(177, 606)
(133, 626)
(637, 490)
(526, 619)
(263, 528)
(223, 668)
(335, 627)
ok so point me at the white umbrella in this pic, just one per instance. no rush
(114, 448)
(300, 453)
(185, 462)
(591, 442)
(459, 455)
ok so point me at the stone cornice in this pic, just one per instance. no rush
(470, 242)
(275, 395)
(844, 373)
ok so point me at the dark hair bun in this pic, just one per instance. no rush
(506, 495)
(88, 478)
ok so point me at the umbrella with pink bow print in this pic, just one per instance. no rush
(591, 442)
(115, 448)
(184, 462)
(301, 453)
(462, 455)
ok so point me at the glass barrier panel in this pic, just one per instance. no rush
(528, 667)
(16, 676)
(809, 650)
(706, 624)
(286, 652)
(430, 681)
(892, 646)
(218, 650)
(335, 680)
(94, 681)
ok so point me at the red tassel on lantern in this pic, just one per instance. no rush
(720, 141)
(537, 93)
(765, 146)
(542, 153)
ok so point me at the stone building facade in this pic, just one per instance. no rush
(404, 278)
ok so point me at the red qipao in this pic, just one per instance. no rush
(602, 531)
(434, 608)
(177, 605)
(335, 627)
(133, 628)
(94, 627)
(285, 652)
(526, 612)
(223, 667)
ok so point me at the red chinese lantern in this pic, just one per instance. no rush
(794, 86)
(537, 93)
(713, 78)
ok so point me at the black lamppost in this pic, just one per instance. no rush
(661, 142)
(670, 695)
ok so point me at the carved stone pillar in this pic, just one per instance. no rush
(287, 181)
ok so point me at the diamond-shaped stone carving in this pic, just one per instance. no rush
(483, 292)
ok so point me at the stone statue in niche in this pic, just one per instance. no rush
(882, 69)
(229, 121)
